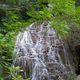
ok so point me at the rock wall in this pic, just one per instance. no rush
(73, 42)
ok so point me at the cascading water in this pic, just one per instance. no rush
(37, 52)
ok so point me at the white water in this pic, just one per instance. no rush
(36, 49)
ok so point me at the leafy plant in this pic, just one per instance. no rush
(72, 76)
(14, 73)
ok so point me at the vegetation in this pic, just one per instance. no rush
(72, 76)
(15, 15)
(13, 73)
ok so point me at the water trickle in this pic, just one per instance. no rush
(37, 52)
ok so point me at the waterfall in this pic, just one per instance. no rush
(37, 52)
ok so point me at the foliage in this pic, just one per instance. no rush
(72, 76)
(6, 49)
(17, 14)
(14, 73)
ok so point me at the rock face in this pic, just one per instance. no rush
(73, 41)
(41, 54)
(78, 77)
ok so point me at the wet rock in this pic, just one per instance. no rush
(78, 77)
(41, 53)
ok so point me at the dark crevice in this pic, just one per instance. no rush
(78, 59)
